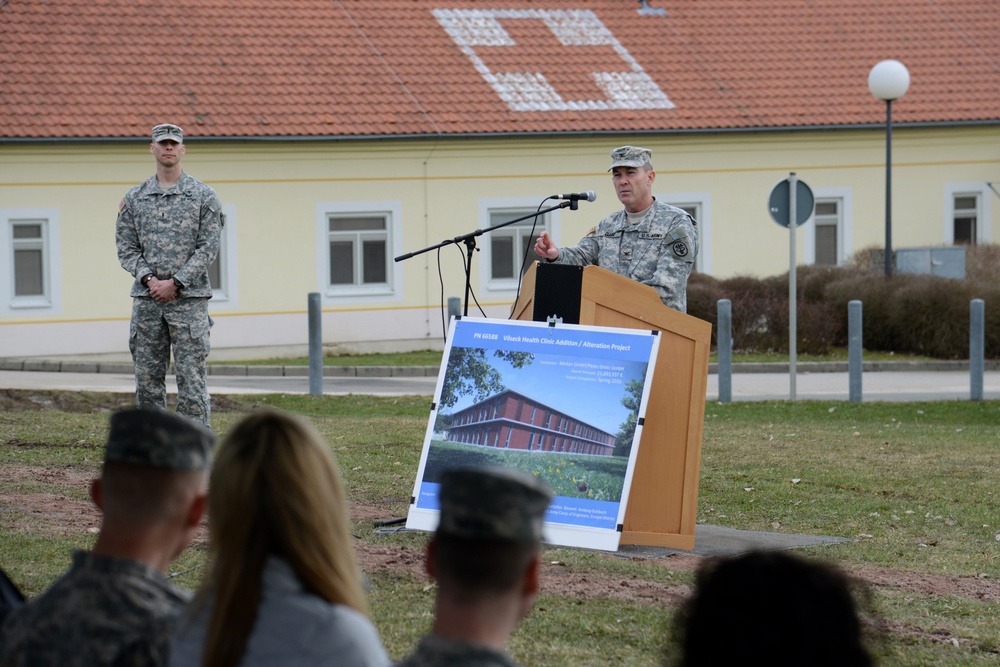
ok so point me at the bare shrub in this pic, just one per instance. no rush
(870, 260)
(930, 315)
(811, 281)
(751, 309)
(982, 270)
(703, 296)
(820, 328)
(918, 314)
(982, 264)
(874, 293)
(990, 294)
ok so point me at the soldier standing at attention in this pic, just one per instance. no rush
(168, 233)
(650, 242)
(485, 557)
(115, 606)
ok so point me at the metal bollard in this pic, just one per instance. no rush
(724, 337)
(315, 346)
(977, 348)
(854, 350)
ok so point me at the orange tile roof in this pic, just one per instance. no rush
(320, 68)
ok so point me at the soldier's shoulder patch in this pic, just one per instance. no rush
(121, 205)
(680, 249)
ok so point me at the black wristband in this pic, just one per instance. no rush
(145, 279)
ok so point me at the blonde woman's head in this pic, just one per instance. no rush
(275, 491)
(275, 485)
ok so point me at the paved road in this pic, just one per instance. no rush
(876, 386)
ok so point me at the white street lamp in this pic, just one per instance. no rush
(889, 80)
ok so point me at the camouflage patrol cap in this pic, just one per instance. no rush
(158, 439)
(168, 131)
(492, 503)
(631, 156)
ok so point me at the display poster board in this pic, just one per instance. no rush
(563, 402)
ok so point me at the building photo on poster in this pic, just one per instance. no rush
(562, 402)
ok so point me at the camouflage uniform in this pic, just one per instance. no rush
(110, 610)
(171, 233)
(103, 611)
(658, 251)
(439, 651)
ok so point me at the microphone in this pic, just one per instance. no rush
(589, 195)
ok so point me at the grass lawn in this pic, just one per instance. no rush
(913, 484)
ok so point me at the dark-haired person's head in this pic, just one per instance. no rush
(485, 557)
(114, 605)
(773, 607)
(490, 528)
(153, 482)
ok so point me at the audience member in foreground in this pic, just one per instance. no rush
(11, 597)
(485, 558)
(115, 606)
(770, 607)
(283, 587)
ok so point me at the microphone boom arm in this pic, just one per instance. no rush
(470, 243)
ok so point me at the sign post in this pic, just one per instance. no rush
(800, 203)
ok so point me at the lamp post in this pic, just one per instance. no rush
(889, 80)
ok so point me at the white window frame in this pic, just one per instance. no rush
(50, 302)
(392, 289)
(836, 223)
(702, 202)
(227, 291)
(984, 196)
(507, 287)
(845, 238)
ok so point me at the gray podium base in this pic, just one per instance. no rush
(717, 541)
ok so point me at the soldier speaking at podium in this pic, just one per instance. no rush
(648, 241)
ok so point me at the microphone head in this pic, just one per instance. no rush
(591, 195)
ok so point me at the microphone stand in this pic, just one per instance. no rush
(470, 243)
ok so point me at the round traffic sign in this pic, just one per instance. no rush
(777, 204)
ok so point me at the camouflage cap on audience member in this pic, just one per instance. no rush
(631, 156)
(159, 439)
(168, 131)
(492, 503)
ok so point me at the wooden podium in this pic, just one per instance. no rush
(663, 500)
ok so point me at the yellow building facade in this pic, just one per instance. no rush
(331, 217)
